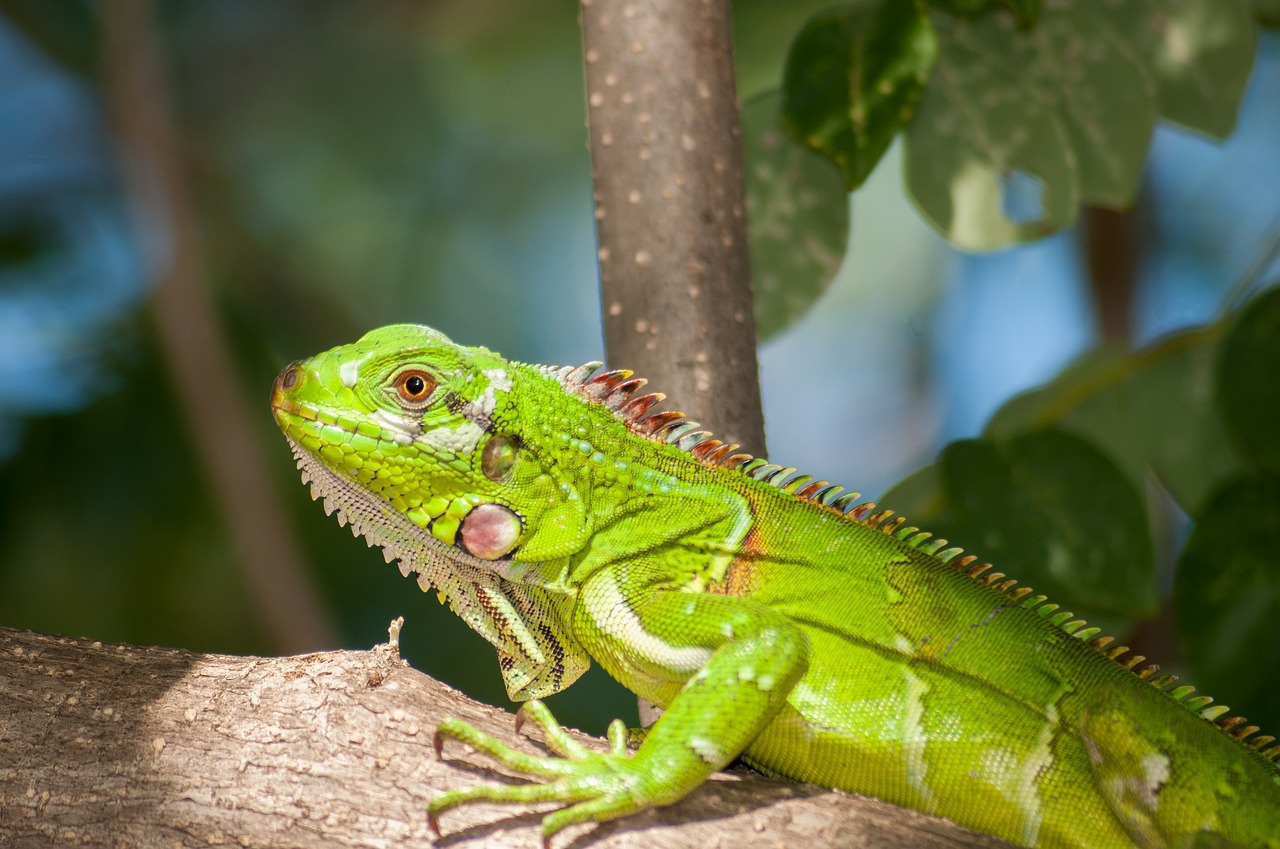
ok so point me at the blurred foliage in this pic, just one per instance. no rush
(1014, 116)
(855, 74)
(797, 218)
(1054, 493)
(358, 163)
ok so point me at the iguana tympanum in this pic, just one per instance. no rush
(774, 617)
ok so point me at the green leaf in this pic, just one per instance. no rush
(1267, 12)
(1151, 410)
(1227, 597)
(1052, 510)
(964, 7)
(797, 217)
(1248, 385)
(1066, 105)
(1024, 11)
(853, 77)
(1201, 54)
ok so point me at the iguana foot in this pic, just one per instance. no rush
(605, 785)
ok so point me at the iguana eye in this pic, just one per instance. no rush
(414, 386)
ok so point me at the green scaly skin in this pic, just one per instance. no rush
(773, 618)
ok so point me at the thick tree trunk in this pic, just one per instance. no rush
(121, 746)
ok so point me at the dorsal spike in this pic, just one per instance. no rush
(622, 393)
(693, 439)
(721, 453)
(763, 472)
(782, 477)
(1147, 671)
(575, 377)
(875, 520)
(891, 527)
(845, 501)
(705, 447)
(860, 512)
(672, 431)
(634, 410)
(828, 494)
(652, 424)
(737, 461)
(809, 490)
(602, 383)
(919, 539)
(1230, 722)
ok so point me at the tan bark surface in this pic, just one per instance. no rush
(122, 746)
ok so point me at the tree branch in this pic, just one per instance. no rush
(666, 163)
(115, 745)
(287, 605)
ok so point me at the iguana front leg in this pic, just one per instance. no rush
(730, 664)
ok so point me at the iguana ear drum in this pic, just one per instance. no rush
(500, 454)
(491, 531)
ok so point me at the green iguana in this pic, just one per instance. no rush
(774, 617)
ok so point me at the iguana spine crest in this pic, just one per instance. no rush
(615, 390)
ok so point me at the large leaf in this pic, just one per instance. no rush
(1052, 510)
(1025, 11)
(1267, 12)
(1227, 597)
(1066, 104)
(1019, 127)
(853, 77)
(981, 131)
(1201, 54)
(1248, 385)
(797, 217)
(1151, 410)
(1047, 508)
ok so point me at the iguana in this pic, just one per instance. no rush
(775, 618)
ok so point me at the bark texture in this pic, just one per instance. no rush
(115, 745)
(667, 169)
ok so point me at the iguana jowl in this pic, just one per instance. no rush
(774, 617)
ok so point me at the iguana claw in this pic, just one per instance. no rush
(604, 784)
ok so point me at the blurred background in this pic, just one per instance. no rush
(193, 198)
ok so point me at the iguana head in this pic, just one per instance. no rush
(411, 419)
(415, 441)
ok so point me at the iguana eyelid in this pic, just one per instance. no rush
(413, 388)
